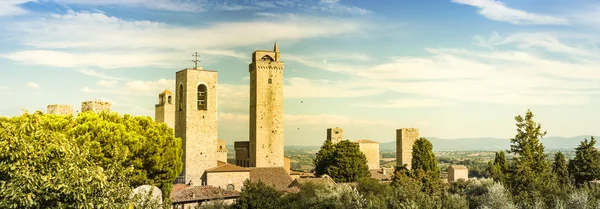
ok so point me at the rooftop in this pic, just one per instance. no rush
(277, 177)
(226, 167)
(365, 141)
(165, 92)
(200, 193)
(458, 167)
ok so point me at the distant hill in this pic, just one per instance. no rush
(487, 143)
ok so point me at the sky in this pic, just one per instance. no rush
(451, 68)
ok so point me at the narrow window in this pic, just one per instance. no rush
(270, 81)
(180, 97)
(202, 97)
(169, 98)
(161, 99)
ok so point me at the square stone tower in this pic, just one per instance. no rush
(335, 134)
(405, 139)
(164, 111)
(59, 109)
(95, 106)
(222, 150)
(371, 150)
(196, 121)
(266, 109)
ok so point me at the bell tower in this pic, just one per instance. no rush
(164, 111)
(266, 108)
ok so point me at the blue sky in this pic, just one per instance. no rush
(452, 68)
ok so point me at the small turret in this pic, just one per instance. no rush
(276, 47)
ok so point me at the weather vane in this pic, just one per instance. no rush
(195, 60)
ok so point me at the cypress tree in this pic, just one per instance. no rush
(586, 164)
(423, 157)
(560, 169)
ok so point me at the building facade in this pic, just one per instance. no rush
(335, 135)
(164, 111)
(405, 139)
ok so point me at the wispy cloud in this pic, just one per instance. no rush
(498, 11)
(165, 5)
(543, 41)
(409, 103)
(97, 74)
(320, 119)
(106, 83)
(334, 6)
(4, 88)
(33, 85)
(11, 7)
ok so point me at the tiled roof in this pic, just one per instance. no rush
(377, 174)
(177, 187)
(220, 163)
(228, 168)
(458, 167)
(276, 177)
(300, 181)
(365, 141)
(201, 193)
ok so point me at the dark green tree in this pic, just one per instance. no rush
(531, 174)
(560, 170)
(423, 157)
(586, 164)
(348, 164)
(324, 158)
(498, 168)
(258, 195)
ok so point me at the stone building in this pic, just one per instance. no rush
(405, 139)
(227, 176)
(196, 121)
(266, 109)
(335, 135)
(456, 172)
(95, 106)
(221, 150)
(242, 153)
(164, 111)
(59, 109)
(371, 151)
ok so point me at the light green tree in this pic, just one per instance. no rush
(586, 164)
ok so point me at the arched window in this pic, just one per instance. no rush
(180, 97)
(230, 187)
(161, 99)
(266, 58)
(169, 98)
(202, 97)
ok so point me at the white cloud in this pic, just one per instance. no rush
(33, 85)
(334, 6)
(321, 119)
(4, 88)
(11, 7)
(105, 83)
(543, 41)
(150, 87)
(166, 5)
(498, 11)
(409, 103)
(99, 74)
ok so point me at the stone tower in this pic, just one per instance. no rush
(266, 109)
(95, 106)
(164, 111)
(405, 139)
(335, 134)
(196, 121)
(59, 109)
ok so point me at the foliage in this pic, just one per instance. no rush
(324, 196)
(343, 162)
(560, 170)
(498, 168)
(42, 166)
(423, 157)
(258, 195)
(586, 164)
(497, 197)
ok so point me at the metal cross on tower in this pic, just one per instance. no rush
(195, 60)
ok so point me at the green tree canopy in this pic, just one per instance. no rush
(498, 168)
(324, 158)
(423, 157)
(560, 170)
(586, 164)
(258, 195)
(343, 162)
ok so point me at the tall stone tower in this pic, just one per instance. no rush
(266, 109)
(196, 122)
(59, 109)
(95, 106)
(164, 111)
(405, 139)
(335, 134)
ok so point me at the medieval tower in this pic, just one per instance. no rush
(164, 111)
(405, 139)
(335, 135)
(266, 109)
(196, 121)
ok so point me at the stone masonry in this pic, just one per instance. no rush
(335, 134)
(164, 111)
(371, 150)
(60, 109)
(266, 109)
(95, 106)
(221, 150)
(196, 121)
(405, 139)
(456, 172)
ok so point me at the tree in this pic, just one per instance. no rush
(41, 166)
(324, 158)
(586, 164)
(348, 163)
(498, 168)
(531, 173)
(423, 157)
(258, 195)
(560, 170)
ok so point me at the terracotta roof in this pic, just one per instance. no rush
(276, 177)
(228, 168)
(177, 187)
(365, 141)
(377, 174)
(166, 91)
(300, 181)
(220, 163)
(458, 167)
(201, 193)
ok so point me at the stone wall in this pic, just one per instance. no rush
(335, 134)
(287, 164)
(95, 106)
(266, 109)
(59, 109)
(456, 172)
(221, 150)
(164, 111)
(405, 139)
(242, 154)
(197, 128)
(222, 179)
(371, 151)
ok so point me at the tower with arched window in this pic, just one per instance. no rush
(266, 109)
(196, 121)
(164, 111)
